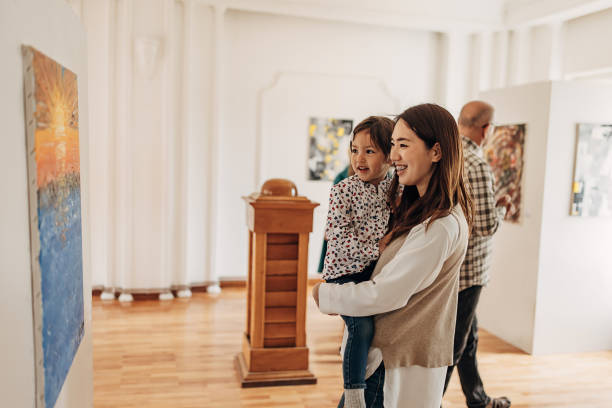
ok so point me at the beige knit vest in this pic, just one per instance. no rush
(422, 332)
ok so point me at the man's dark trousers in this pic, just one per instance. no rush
(466, 343)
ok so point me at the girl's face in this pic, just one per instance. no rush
(412, 159)
(367, 160)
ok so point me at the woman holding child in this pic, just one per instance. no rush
(413, 289)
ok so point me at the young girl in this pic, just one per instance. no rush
(356, 221)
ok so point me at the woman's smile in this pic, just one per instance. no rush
(400, 168)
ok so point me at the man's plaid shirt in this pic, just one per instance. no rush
(487, 218)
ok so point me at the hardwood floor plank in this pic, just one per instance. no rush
(180, 354)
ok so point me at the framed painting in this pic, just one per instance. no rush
(328, 147)
(52, 134)
(504, 151)
(591, 194)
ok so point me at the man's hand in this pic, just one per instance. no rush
(505, 201)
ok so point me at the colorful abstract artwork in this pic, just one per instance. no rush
(328, 151)
(592, 185)
(504, 150)
(52, 132)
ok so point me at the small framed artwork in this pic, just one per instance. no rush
(504, 151)
(591, 194)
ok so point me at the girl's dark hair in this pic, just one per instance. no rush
(380, 129)
(432, 124)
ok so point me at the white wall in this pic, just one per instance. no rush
(146, 139)
(540, 55)
(574, 308)
(99, 86)
(285, 110)
(346, 67)
(550, 275)
(587, 45)
(151, 119)
(178, 139)
(561, 46)
(507, 304)
(175, 149)
(51, 27)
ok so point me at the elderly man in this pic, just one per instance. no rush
(475, 123)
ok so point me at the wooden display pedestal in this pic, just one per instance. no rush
(274, 348)
(286, 362)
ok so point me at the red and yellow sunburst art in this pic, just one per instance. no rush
(56, 137)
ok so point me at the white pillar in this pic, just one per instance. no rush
(457, 71)
(217, 118)
(110, 280)
(501, 80)
(169, 189)
(101, 17)
(521, 56)
(123, 146)
(557, 32)
(190, 185)
(486, 58)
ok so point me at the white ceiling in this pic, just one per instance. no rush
(533, 12)
(431, 15)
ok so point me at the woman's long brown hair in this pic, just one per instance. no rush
(432, 124)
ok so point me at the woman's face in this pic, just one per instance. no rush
(412, 159)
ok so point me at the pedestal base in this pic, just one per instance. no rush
(271, 378)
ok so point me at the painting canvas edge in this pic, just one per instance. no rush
(37, 312)
(574, 170)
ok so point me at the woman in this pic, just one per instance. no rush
(413, 290)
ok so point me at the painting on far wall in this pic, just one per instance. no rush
(328, 147)
(592, 184)
(504, 151)
(52, 134)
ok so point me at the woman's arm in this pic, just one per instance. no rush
(414, 267)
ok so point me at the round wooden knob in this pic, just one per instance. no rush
(279, 187)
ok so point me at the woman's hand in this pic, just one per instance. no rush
(384, 241)
(315, 292)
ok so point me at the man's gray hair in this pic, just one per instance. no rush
(475, 117)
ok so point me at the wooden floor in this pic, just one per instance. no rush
(180, 354)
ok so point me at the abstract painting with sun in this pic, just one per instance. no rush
(52, 132)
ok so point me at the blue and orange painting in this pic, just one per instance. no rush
(58, 264)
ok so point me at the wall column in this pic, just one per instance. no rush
(521, 56)
(169, 193)
(457, 67)
(501, 79)
(217, 119)
(557, 32)
(188, 172)
(123, 147)
(486, 57)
